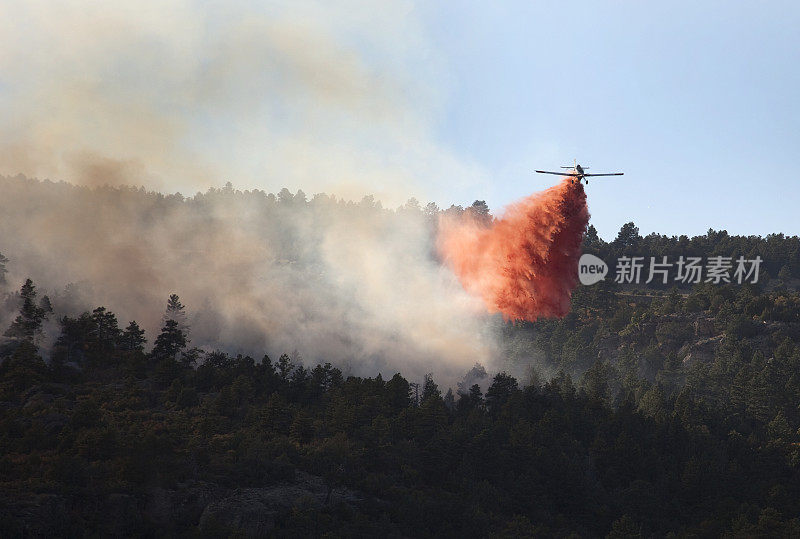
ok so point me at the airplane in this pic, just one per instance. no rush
(579, 173)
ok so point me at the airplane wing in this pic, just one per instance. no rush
(610, 174)
(559, 173)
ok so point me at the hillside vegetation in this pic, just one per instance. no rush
(647, 411)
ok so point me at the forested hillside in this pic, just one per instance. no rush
(172, 443)
(646, 411)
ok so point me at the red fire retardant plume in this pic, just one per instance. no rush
(525, 264)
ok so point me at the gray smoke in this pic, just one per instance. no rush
(180, 95)
(335, 281)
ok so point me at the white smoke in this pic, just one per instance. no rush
(349, 283)
(180, 95)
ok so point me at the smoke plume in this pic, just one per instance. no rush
(340, 97)
(181, 95)
(323, 279)
(522, 265)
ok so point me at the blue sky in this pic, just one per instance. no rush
(697, 102)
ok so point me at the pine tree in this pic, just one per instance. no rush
(177, 311)
(174, 306)
(171, 341)
(28, 325)
(627, 239)
(46, 305)
(479, 211)
(74, 339)
(398, 393)
(106, 329)
(475, 375)
(133, 339)
(430, 390)
(471, 399)
(591, 239)
(500, 391)
(475, 395)
(285, 367)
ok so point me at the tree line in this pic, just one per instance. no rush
(635, 443)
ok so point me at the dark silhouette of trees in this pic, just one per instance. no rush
(28, 325)
(75, 339)
(169, 342)
(398, 393)
(450, 399)
(285, 367)
(591, 240)
(471, 400)
(177, 311)
(430, 390)
(628, 238)
(105, 332)
(21, 370)
(132, 338)
(503, 386)
(175, 308)
(46, 305)
(479, 211)
(618, 456)
(684, 421)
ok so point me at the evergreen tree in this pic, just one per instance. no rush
(132, 338)
(628, 239)
(285, 367)
(170, 341)
(177, 311)
(475, 375)
(174, 307)
(430, 390)
(76, 334)
(470, 400)
(475, 394)
(106, 333)
(591, 239)
(267, 376)
(28, 325)
(46, 305)
(398, 393)
(501, 389)
(21, 370)
(480, 212)
(431, 213)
